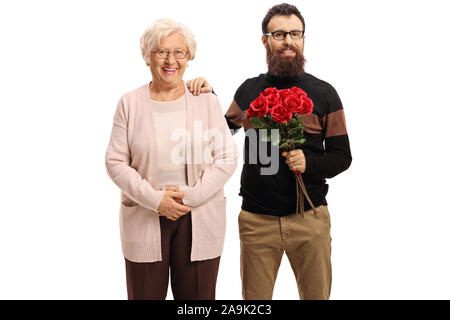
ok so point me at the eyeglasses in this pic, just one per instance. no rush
(281, 34)
(177, 53)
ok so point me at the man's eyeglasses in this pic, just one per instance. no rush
(177, 53)
(281, 34)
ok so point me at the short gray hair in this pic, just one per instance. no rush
(161, 29)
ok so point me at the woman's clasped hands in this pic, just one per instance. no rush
(171, 205)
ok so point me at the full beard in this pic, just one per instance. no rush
(285, 69)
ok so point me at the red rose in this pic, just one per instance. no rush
(273, 99)
(307, 106)
(269, 91)
(259, 107)
(284, 93)
(298, 91)
(293, 103)
(280, 114)
(251, 113)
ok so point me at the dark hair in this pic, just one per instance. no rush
(283, 9)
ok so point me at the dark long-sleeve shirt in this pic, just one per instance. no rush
(327, 147)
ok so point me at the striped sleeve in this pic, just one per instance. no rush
(337, 157)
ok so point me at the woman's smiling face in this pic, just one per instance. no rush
(169, 71)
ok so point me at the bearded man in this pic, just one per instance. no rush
(268, 225)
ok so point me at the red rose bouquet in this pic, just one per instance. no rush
(280, 110)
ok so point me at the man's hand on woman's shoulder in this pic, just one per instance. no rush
(198, 85)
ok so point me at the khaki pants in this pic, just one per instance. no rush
(307, 243)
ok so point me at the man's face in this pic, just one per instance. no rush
(284, 57)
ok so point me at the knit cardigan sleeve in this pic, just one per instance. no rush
(118, 159)
(224, 160)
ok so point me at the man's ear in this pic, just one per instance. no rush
(264, 41)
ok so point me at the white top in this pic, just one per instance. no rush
(170, 123)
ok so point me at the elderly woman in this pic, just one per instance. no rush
(170, 153)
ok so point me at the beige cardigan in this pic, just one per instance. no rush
(131, 163)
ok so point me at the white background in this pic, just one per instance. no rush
(64, 65)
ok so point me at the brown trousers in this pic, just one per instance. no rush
(190, 280)
(307, 243)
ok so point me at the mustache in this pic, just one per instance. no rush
(287, 48)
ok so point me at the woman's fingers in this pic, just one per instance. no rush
(182, 208)
(175, 215)
(171, 188)
(175, 194)
(172, 206)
